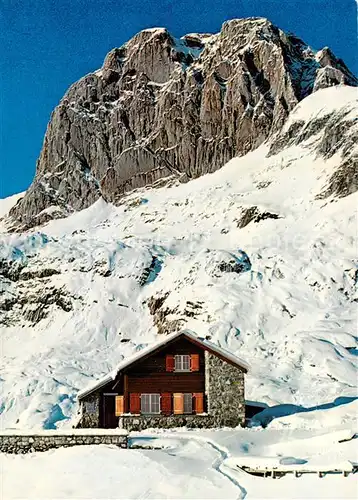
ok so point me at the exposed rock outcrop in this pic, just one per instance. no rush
(253, 214)
(31, 301)
(166, 319)
(171, 108)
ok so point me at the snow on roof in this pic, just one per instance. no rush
(147, 350)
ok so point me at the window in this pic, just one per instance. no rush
(182, 363)
(183, 403)
(150, 403)
(188, 403)
(90, 406)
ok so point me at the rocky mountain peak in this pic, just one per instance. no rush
(166, 109)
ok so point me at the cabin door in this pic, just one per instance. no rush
(110, 421)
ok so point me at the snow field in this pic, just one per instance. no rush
(186, 464)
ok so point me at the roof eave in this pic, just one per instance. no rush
(84, 393)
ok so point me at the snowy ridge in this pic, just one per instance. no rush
(325, 102)
(7, 203)
(249, 255)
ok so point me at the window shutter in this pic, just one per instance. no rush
(178, 403)
(198, 402)
(169, 363)
(134, 403)
(119, 406)
(166, 403)
(194, 363)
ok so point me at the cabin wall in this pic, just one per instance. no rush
(89, 412)
(167, 382)
(220, 382)
(150, 375)
(225, 386)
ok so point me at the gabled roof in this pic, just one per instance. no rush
(205, 344)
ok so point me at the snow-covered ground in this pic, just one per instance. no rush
(291, 311)
(184, 471)
(191, 464)
(104, 472)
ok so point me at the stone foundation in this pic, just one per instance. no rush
(27, 443)
(139, 423)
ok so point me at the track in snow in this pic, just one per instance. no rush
(218, 465)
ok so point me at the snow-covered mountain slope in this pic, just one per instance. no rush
(260, 255)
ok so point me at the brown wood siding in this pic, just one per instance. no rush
(156, 362)
(167, 382)
(109, 419)
(114, 387)
(150, 375)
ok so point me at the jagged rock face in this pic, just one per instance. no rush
(167, 108)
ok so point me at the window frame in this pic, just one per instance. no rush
(147, 398)
(187, 396)
(179, 363)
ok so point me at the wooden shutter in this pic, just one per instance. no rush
(134, 403)
(198, 402)
(169, 363)
(166, 403)
(178, 403)
(119, 406)
(194, 363)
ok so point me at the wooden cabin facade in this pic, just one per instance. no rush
(182, 380)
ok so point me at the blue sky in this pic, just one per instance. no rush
(48, 44)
